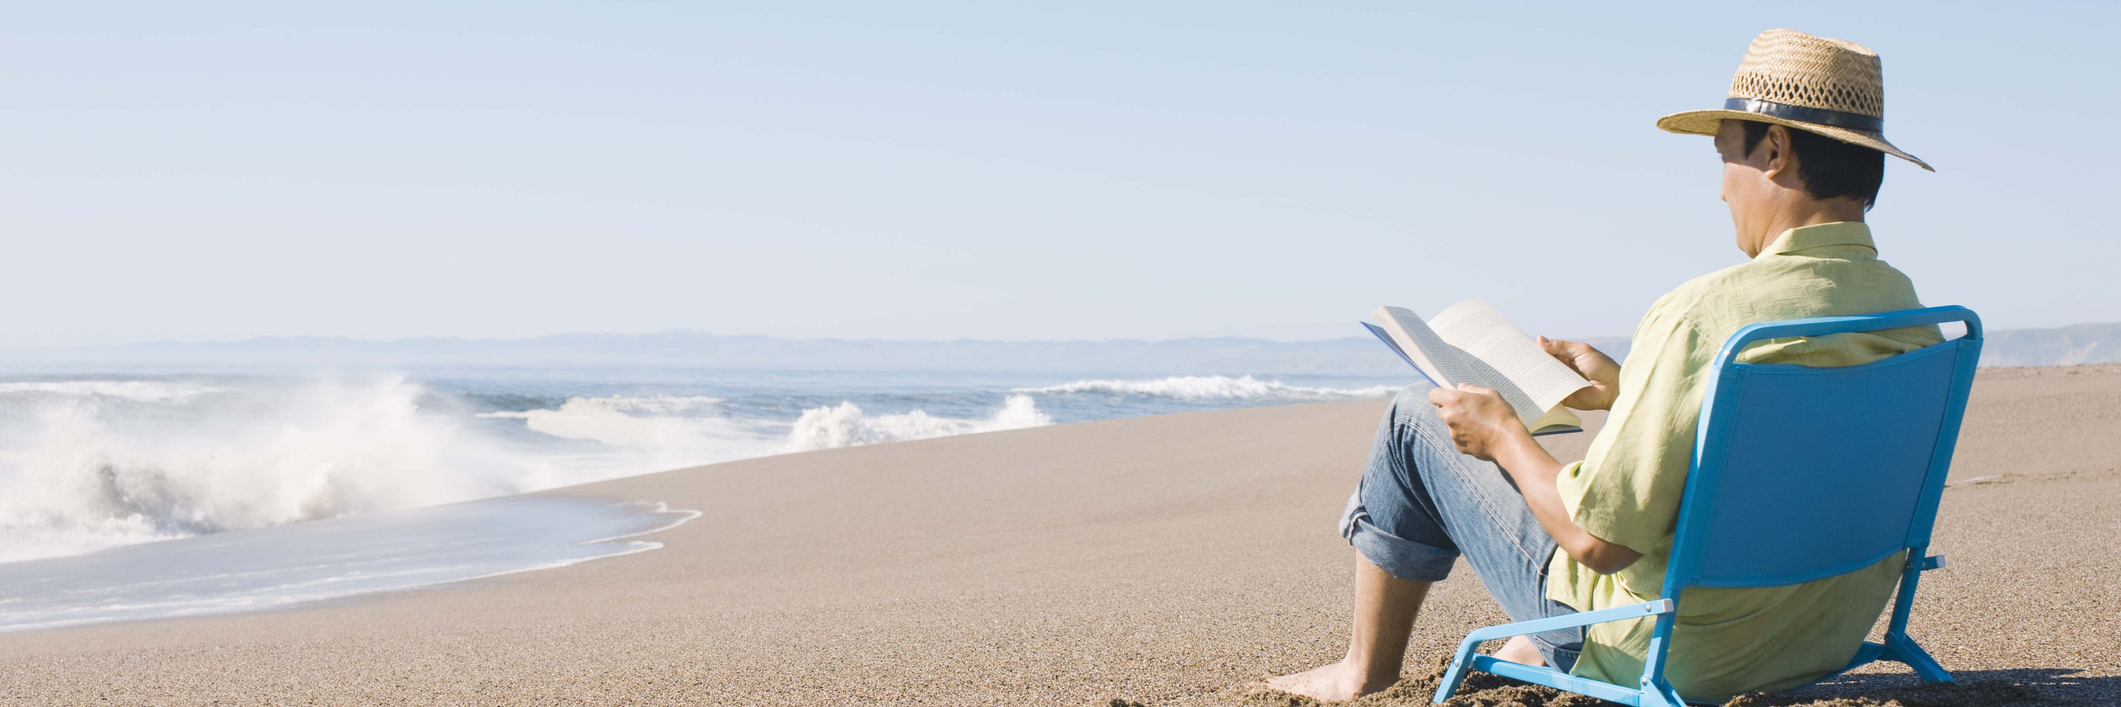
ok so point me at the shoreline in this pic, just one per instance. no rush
(1160, 559)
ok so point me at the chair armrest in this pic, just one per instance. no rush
(1618, 613)
(1464, 657)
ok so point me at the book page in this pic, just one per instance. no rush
(1558, 420)
(1434, 358)
(1527, 409)
(1482, 333)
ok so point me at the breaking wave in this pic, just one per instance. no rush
(138, 391)
(86, 465)
(638, 435)
(847, 426)
(1201, 388)
(90, 464)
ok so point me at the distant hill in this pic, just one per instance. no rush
(692, 349)
(2062, 346)
(2083, 343)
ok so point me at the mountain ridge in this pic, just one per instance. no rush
(686, 348)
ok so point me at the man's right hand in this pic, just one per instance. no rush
(1594, 366)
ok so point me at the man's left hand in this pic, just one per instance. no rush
(1479, 418)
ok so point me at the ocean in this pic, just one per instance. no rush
(150, 494)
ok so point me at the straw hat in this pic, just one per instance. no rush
(1827, 86)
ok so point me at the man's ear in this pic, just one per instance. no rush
(1779, 158)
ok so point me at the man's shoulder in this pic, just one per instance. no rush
(1711, 285)
(1709, 296)
(1717, 304)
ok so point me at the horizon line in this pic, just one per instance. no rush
(663, 332)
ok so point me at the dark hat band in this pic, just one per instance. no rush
(1802, 114)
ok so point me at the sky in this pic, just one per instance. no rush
(1015, 171)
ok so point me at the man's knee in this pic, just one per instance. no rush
(1414, 397)
(1411, 406)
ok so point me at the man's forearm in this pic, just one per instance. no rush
(1485, 426)
(1534, 470)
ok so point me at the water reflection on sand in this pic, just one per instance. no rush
(276, 567)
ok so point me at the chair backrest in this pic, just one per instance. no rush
(1804, 473)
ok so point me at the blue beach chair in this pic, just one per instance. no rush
(1760, 511)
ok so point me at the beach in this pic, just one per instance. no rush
(1167, 559)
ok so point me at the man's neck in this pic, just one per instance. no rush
(1808, 213)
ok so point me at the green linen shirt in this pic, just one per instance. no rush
(1627, 488)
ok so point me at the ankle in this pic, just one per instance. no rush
(1520, 649)
(1360, 674)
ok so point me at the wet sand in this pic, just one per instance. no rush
(1158, 560)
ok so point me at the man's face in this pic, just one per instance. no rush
(1744, 183)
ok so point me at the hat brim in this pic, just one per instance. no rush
(1707, 122)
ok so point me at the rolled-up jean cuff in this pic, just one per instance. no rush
(1397, 556)
(1559, 657)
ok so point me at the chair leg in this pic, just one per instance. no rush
(1456, 674)
(1901, 648)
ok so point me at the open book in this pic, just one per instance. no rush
(1471, 343)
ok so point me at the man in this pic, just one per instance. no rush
(1454, 473)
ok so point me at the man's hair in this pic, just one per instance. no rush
(1828, 167)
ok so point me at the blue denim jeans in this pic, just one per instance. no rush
(1422, 504)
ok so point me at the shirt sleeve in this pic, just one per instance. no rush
(1627, 488)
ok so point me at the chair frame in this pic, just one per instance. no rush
(1655, 690)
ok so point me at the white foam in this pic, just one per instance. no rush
(644, 434)
(1200, 388)
(138, 391)
(623, 420)
(846, 425)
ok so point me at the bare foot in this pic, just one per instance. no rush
(1519, 649)
(1330, 683)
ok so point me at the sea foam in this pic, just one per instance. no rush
(135, 390)
(643, 434)
(846, 425)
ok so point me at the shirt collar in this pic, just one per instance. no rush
(1805, 238)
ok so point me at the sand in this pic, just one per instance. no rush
(1157, 560)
